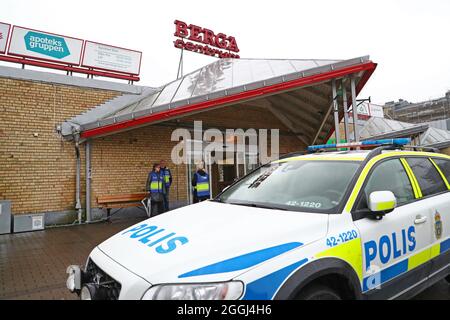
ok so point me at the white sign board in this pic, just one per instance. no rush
(110, 58)
(4, 33)
(40, 45)
(372, 110)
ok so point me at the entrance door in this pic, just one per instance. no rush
(192, 168)
(223, 172)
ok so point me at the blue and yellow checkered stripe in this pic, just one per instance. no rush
(408, 264)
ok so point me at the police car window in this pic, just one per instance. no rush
(312, 186)
(444, 165)
(430, 181)
(388, 176)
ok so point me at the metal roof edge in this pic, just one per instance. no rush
(399, 133)
(289, 76)
(439, 145)
(345, 67)
(61, 79)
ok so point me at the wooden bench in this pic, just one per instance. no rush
(120, 201)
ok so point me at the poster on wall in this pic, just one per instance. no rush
(4, 33)
(110, 58)
(41, 45)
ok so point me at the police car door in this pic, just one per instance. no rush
(432, 176)
(389, 243)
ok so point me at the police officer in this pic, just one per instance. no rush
(156, 187)
(200, 183)
(167, 181)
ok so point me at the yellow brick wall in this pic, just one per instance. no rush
(120, 163)
(37, 173)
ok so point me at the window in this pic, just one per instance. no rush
(444, 165)
(429, 179)
(299, 185)
(388, 176)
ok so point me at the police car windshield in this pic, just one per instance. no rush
(298, 185)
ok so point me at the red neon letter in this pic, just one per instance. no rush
(180, 29)
(195, 31)
(221, 41)
(178, 44)
(189, 46)
(208, 37)
(233, 45)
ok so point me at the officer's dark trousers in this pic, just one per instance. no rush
(166, 200)
(157, 208)
(200, 199)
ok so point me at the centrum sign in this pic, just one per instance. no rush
(29, 43)
(207, 38)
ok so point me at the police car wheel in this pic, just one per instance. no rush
(318, 292)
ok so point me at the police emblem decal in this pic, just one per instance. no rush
(437, 225)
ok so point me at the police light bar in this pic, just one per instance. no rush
(367, 143)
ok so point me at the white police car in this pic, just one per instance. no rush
(329, 225)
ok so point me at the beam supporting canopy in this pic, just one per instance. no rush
(355, 109)
(335, 110)
(344, 104)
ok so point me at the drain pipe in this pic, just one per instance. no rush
(88, 181)
(78, 179)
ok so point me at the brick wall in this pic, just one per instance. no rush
(37, 169)
(120, 163)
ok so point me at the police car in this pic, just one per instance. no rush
(325, 225)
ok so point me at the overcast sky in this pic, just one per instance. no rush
(408, 39)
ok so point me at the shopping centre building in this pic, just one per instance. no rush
(69, 144)
(55, 127)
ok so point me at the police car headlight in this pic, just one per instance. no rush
(201, 291)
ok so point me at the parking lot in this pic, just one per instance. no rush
(33, 264)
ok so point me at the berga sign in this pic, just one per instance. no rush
(207, 38)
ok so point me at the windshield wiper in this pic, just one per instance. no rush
(257, 205)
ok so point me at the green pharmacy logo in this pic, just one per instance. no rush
(45, 44)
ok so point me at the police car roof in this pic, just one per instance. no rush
(353, 155)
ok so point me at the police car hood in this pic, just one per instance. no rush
(211, 241)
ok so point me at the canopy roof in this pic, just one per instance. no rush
(437, 138)
(381, 128)
(232, 81)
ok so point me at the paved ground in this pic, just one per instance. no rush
(33, 264)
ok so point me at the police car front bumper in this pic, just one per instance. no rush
(101, 271)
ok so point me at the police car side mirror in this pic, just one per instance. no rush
(382, 202)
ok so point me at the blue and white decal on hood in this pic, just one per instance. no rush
(243, 261)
